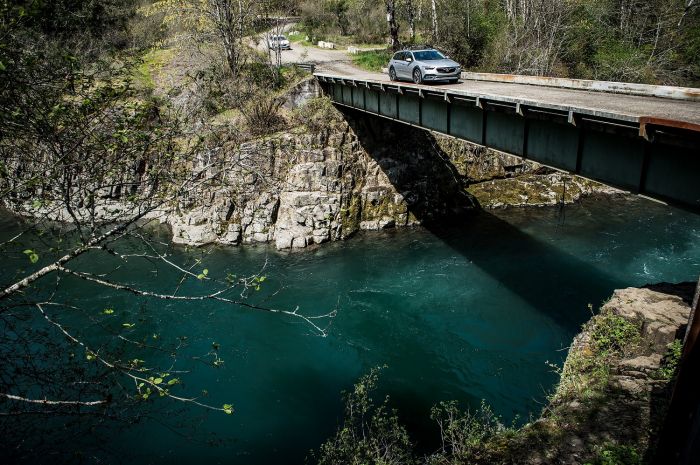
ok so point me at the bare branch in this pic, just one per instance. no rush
(53, 402)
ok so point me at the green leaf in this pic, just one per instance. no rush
(158, 381)
(108, 311)
(228, 409)
(2, 66)
(173, 382)
(128, 325)
(33, 256)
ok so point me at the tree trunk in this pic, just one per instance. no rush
(688, 5)
(411, 20)
(393, 25)
(436, 35)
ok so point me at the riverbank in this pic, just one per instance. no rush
(608, 407)
(615, 384)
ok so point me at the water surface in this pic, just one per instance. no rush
(467, 313)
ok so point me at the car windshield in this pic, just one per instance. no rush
(427, 55)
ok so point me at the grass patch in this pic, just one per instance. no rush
(151, 64)
(373, 60)
(587, 370)
(669, 364)
(616, 454)
(299, 38)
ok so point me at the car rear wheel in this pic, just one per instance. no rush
(392, 74)
(417, 77)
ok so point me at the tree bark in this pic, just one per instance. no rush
(393, 25)
(411, 20)
(436, 35)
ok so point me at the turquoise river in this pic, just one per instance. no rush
(471, 312)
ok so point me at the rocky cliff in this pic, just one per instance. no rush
(614, 388)
(334, 174)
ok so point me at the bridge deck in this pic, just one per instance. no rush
(614, 106)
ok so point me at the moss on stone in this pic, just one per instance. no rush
(350, 216)
(531, 190)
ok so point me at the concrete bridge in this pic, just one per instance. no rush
(644, 144)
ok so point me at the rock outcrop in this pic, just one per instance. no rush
(334, 174)
(297, 189)
(613, 393)
(310, 185)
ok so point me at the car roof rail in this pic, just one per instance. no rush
(421, 47)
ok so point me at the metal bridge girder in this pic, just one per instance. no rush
(656, 158)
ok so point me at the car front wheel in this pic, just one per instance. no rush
(392, 74)
(417, 76)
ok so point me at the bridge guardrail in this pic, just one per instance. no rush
(689, 94)
(310, 67)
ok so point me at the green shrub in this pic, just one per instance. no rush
(317, 114)
(616, 454)
(262, 115)
(613, 335)
(669, 364)
(463, 433)
(371, 434)
(373, 60)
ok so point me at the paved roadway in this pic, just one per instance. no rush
(338, 63)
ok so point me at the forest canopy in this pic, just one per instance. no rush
(655, 41)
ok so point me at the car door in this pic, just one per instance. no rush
(399, 64)
(408, 69)
(407, 65)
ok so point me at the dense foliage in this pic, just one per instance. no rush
(623, 40)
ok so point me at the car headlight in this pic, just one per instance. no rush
(429, 67)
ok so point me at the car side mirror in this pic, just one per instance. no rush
(409, 59)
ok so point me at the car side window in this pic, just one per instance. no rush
(398, 56)
(408, 57)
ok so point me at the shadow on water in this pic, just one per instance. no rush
(435, 193)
